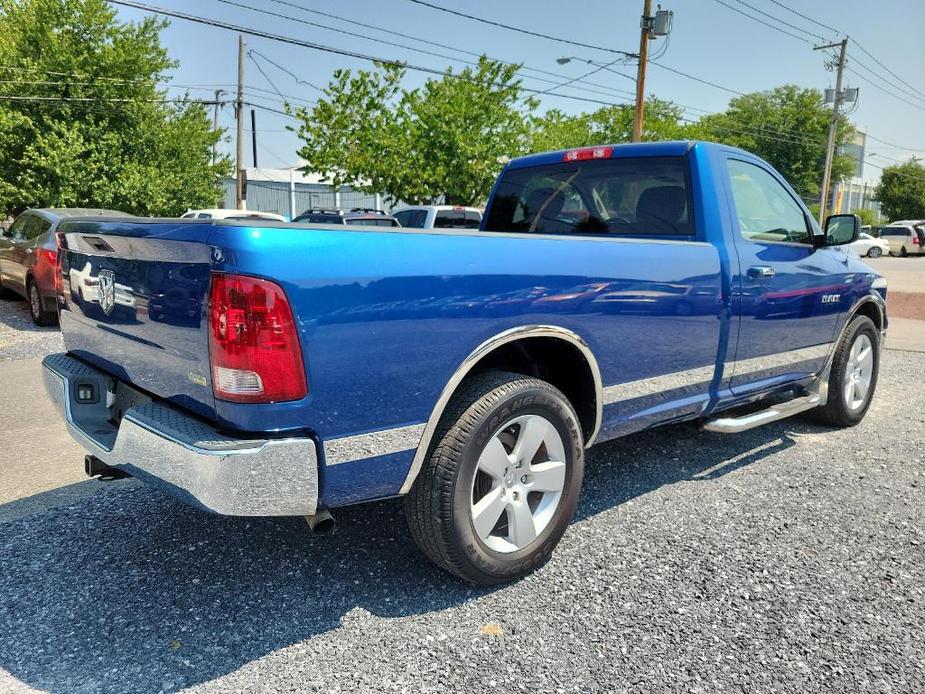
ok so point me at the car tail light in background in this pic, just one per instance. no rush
(253, 342)
(57, 258)
(588, 153)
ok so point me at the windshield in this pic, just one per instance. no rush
(633, 195)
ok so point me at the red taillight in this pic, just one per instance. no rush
(57, 258)
(588, 153)
(253, 342)
(43, 255)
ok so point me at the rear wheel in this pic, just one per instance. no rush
(40, 316)
(502, 481)
(874, 252)
(853, 377)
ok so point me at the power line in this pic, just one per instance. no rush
(698, 79)
(464, 51)
(580, 77)
(289, 72)
(393, 44)
(329, 49)
(781, 21)
(856, 43)
(885, 90)
(523, 31)
(761, 21)
(809, 19)
(867, 53)
(104, 99)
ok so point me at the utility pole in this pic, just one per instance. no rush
(652, 26)
(641, 71)
(830, 149)
(218, 105)
(254, 134)
(239, 114)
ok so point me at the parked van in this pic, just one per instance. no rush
(904, 239)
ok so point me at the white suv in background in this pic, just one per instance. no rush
(439, 217)
(232, 214)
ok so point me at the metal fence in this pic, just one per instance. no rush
(290, 199)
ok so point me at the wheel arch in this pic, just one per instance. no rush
(529, 350)
(872, 306)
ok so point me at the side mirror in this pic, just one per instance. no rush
(840, 229)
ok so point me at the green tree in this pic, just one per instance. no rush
(83, 121)
(901, 191)
(444, 141)
(788, 127)
(868, 217)
(606, 125)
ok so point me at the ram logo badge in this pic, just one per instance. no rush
(831, 298)
(107, 291)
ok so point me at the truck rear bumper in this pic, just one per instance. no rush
(171, 449)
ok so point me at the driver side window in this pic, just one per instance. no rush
(765, 210)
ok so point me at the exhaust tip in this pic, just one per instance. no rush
(322, 522)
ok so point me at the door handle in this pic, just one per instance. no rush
(759, 271)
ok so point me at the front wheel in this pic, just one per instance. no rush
(874, 252)
(853, 376)
(501, 483)
(903, 252)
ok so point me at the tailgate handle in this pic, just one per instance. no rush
(98, 244)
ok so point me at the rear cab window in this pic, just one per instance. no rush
(456, 219)
(413, 219)
(626, 196)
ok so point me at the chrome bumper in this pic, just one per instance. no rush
(187, 457)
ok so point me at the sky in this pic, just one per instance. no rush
(709, 40)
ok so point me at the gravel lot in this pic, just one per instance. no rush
(20, 338)
(790, 558)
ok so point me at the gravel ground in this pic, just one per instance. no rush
(786, 559)
(20, 338)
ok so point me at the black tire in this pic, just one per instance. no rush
(837, 411)
(874, 252)
(40, 316)
(438, 507)
(903, 252)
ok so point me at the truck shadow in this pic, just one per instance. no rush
(129, 590)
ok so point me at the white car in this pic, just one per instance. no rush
(439, 217)
(232, 214)
(870, 246)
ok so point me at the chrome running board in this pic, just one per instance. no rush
(735, 425)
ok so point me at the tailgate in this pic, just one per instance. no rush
(135, 295)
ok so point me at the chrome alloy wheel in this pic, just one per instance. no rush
(858, 372)
(518, 483)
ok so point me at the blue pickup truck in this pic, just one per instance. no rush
(281, 369)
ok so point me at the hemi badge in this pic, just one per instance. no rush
(198, 379)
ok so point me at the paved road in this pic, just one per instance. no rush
(903, 274)
(790, 558)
